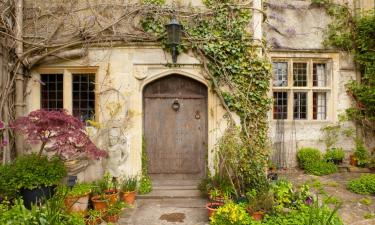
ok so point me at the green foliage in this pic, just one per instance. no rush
(307, 155)
(50, 213)
(115, 208)
(310, 159)
(361, 153)
(354, 32)
(231, 214)
(366, 201)
(31, 171)
(363, 185)
(7, 181)
(222, 42)
(320, 168)
(286, 197)
(129, 184)
(80, 189)
(153, 2)
(334, 154)
(145, 183)
(331, 135)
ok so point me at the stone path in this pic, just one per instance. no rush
(353, 210)
(166, 211)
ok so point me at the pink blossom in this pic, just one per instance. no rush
(2, 125)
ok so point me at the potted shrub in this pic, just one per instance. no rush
(335, 155)
(361, 154)
(128, 189)
(113, 212)
(259, 204)
(94, 217)
(212, 207)
(36, 177)
(77, 198)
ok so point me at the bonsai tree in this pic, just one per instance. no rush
(57, 131)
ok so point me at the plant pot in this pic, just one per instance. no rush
(212, 207)
(111, 218)
(129, 197)
(37, 195)
(353, 161)
(257, 216)
(99, 204)
(112, 196)
(77, 204)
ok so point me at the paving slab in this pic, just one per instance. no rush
(166, 211)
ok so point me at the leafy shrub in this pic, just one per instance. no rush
(7, 181)
(320, 168)
(231, 214)
(363, 185)
(313, 214)
(145, 185)
(287, 197)
(336, 154)
(361, 153)
(80, 189)
(307, 155)
(32, 171)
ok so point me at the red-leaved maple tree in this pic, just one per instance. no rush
(57, 131)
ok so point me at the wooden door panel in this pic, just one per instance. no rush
(176, 140)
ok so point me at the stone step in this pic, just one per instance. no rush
(170, 193)
(174, 182)
(175, 187)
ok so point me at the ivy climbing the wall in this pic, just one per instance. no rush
(219, 36)
(354, 31)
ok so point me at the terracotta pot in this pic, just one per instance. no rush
(129, 197)
(112, 218)
(353, 161)
(77, 204)
(99, 204)
(257, 216)
(212, 207)
(112, 195)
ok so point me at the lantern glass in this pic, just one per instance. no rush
(174, 32)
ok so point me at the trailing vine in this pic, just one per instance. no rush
(219, 37)
(354, 32)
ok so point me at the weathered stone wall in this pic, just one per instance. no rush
(121, 74)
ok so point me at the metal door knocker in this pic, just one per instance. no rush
(197, 115)
(175, 105)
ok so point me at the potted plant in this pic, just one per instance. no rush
(36, 177)
(128, 189)
(94, 217)
(335, 155)
(216, 195)
(77, 198)
(259, 204)
(109, 185)
(100, 200)
(113, 212)
(212, 207)
(361, 154)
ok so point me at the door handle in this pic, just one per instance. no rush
(197, 115)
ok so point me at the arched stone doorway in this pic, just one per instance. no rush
(175, 127)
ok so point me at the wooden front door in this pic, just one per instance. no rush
(175, 127)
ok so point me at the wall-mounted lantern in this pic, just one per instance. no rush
(174, 30)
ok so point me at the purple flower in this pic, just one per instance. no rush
(5, 142)
(309, 201)
(1, 124)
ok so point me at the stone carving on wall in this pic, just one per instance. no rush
(118, 152)
(140, 72)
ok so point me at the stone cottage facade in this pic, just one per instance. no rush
(129, 92)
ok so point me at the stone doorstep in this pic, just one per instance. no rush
(170, 193)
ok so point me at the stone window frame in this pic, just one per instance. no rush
(68, 85)
(309, 89)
